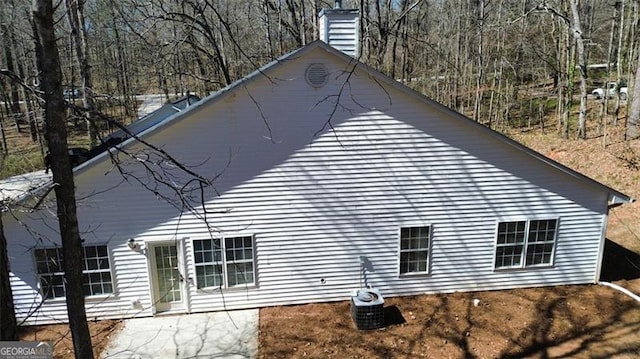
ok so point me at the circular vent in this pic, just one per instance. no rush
(317, 75)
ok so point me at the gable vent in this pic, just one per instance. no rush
(340, 28)
(317, 75)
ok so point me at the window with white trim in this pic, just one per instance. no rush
(224, 263)
(522, 244)
(50, 268)
(414, 249)
(208, 260)
(96, 271)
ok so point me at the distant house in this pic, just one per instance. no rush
(329, 176)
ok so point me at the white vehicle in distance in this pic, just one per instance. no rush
(612, 90)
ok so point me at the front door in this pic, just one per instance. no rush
(168, 283)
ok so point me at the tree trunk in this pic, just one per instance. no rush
(619, 5)
(122, 75)
(75, 14)
(634, 112)
(15, 97)
(480, 75)
(582, 67)
(56, 133)
(8, 324)
(30, 114)
(566, 88)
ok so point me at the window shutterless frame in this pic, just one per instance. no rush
(525, 243)
(225, 262)
(414, 249)
(97, 271)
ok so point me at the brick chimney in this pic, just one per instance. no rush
(340, 28)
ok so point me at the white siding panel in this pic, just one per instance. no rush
(317, 197)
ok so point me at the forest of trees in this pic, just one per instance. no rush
(502, 63)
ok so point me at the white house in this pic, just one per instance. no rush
(327, 176)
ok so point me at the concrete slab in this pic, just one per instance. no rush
(232, 334)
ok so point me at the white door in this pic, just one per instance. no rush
(168, 282)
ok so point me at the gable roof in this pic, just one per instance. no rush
(615, 197)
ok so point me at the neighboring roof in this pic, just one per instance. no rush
(615, 197)
(151, 119)
(156, 116)
(17, 188)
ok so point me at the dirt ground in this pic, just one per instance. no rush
(575, 321)
(59, 334)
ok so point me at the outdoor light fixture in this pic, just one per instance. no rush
(132, 244)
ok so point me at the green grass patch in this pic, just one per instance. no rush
(21, 162)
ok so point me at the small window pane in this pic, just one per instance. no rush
(91, 264)
(103, 264)
(102, 251)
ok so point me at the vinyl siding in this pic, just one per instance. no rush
(316, 200)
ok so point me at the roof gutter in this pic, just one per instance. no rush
(618, 199)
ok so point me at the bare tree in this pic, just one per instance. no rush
(480, 59)
(14, 106)
(56, 134)
(634, 113)
(576, 30)
(75, 14)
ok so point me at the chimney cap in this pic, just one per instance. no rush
(337, 4)
(326, 11)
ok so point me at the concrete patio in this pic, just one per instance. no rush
(232, 334)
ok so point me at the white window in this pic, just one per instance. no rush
(96, 271)
(414, 249)
(522, 244)
(208, 260)
(224, 263)
(50, 268)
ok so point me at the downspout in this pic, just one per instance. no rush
(611, 203)
(601, 255)
(187, 280)
(621, 289)
(603, 238)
